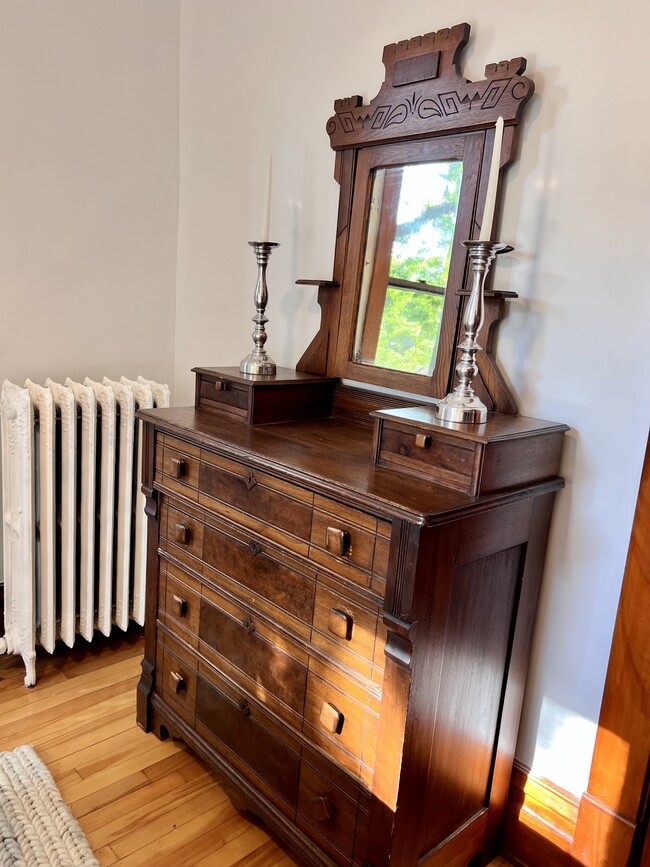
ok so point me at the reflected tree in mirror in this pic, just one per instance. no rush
(411, 222)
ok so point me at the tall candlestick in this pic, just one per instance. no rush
(266, 222)
(493, 182)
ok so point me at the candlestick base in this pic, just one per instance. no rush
(257, 367)
(462, 410)
(258, 362)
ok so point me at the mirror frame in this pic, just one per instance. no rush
(423, 107)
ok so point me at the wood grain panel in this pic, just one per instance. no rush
(241, 727)
(256, 567)
(260, 659)
(476, 646)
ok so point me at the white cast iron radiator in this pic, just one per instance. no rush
(74, 523)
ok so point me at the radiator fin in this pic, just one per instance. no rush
(74, 525)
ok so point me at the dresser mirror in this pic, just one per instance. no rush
(413, 166)
(414, 204)
(410, 231)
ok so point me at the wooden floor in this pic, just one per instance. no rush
(140, 801)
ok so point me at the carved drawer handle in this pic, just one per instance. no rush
(178, 466)
(182, 534)
(322, 809)
(340, 623)
(249, 626)
(250, 480)
(180, 605)
(244, 707)
(337, 541)
(178, 680)
(331, 718)
(221, 385)
(422, 441)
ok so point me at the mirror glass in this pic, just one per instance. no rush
(410, 233)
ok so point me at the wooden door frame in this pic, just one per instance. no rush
(613, 816)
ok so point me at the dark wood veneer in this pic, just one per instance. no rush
(462, 577)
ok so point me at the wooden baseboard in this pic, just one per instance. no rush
(546, 825)
(540, 822)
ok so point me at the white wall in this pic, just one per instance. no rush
(259, 77)
(88, 187)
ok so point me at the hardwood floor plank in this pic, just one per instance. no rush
(244, 840)
(106, 856)
(265, 856)
(179, 759)
(109, 794)
(156, 820)
(130, 808)
(181, 846)
(75, 790)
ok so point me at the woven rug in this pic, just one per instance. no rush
(37, 828)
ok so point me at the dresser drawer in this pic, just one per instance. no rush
(179, 602)
(446, 461)
(256, 571)
(344, 540)
(248, 738)
(338, 719)
(177, 677)
(278, 510)
(326, 814)
(177, 466)
(240, 642)
(346, 629)
(181, 534)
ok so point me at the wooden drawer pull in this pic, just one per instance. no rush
(178, 467)
(337, 541)
(221, 385)
(180, 605)
(340, 624)
(322, 809)
(331, 718)
(422, 441)
(178, 680)
(250, 480)
(255, 548)
(244, 707)
(182, 534)
(249, 626)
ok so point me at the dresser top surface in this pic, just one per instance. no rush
(332, 456)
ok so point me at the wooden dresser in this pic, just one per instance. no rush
(338, 639)
(341, 591)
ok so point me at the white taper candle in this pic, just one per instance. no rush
(493, 183)
(266, 222)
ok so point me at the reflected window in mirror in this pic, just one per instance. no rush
(412, 206)
(411, 224)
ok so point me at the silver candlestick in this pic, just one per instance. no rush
(462, 405)
(258, 361)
